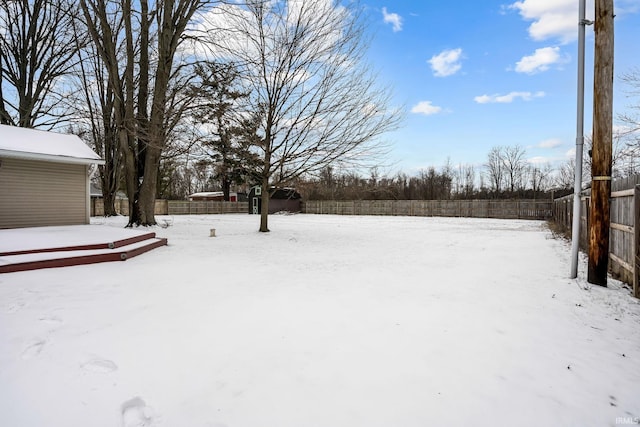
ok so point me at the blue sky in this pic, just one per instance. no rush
(476, 74)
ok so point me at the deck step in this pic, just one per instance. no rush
(85, 247)
(79, 255)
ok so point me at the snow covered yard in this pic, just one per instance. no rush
(325, 321)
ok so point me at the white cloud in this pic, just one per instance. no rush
(558, 19)
(508, 98)
(550, 143)
(426, 108)
(538, 160)
(392, 18)
(552, 19)
(541, 60)
(446, 63)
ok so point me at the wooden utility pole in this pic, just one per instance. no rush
(602, 141)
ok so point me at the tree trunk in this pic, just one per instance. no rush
(110, 171)
(226, 186)
(146, 205)
(147, 198)
(108, 202)
(130, 177)
(602, 144)
(108, 196)
(264, 208)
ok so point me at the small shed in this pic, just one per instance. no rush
(280, 200)
(44, 178)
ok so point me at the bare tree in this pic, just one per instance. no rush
(514, 166)
(138, 47)
(465, 177)
(631, 117)
(92, 105)
(37, 48)
(629, 133)
(539, 177)
(318, 103)
(495, 168)
(565, 176)
(106, 22)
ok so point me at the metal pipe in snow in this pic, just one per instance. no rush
(577, 185)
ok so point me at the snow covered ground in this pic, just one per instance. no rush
(325, 321)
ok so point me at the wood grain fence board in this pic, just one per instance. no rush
(622, 263)
(622, 233)
(179, 207)
(503, 209)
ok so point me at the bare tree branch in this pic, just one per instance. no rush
(37, 48)
(304, 64)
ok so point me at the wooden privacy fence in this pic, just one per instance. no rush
(176, 207)
(504, 209)
(624, 236)
(122, 207)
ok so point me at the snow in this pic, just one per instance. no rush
(325, 321)
(207, 194)
(41, 145)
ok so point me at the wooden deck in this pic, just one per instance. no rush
(51, 247)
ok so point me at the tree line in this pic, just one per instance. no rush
(505, 174)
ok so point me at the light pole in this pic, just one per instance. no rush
(577, 185)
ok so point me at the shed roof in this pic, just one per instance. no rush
(34, 144)
(207, 194)
(95, 190)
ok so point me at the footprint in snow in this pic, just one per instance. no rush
(14, 308)
(136, 413)
(52, 321)
(100, 366)
(32, 350)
